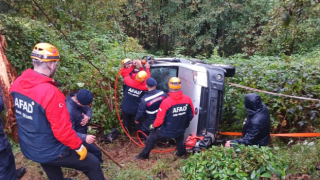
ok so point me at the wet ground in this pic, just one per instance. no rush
(160, 165)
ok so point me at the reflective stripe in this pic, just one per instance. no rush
(151, 112)
(43, 57)
(154, 96)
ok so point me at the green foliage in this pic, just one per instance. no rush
(196, 27)
(303, 158)
(21, 35)
(191, 27)
(293, 27)
(241, 162)
(71, 15)
(296, 75)
(103, 49)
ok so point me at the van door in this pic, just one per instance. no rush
(190, 85)
(192, 90)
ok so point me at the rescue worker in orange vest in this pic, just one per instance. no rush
(44, 127)
(133, 92)
(173, 118)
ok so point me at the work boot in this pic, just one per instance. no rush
(179, 155)
(137, 157)
(20, 172)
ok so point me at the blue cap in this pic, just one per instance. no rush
(84, 97)
(151, 82)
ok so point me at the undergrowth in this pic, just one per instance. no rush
(296, 75)
(297, 161)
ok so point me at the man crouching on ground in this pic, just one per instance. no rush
(80, 114)
(256, 127)
(174, 116)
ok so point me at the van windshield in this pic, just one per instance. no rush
(162, 76)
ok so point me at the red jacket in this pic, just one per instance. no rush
(135, 72)
(44, 126)
(133, 91)
(175, 114)
(125, 73)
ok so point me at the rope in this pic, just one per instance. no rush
(72, 44)
(275, 94)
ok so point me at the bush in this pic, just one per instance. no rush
(303, 158)
(102, 48)
(241, 162)
(296, 75)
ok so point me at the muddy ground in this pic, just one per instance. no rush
(159, 166)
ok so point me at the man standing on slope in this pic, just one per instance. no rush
(44, 128)
(133, 92)
(174, 116)
(149, 105)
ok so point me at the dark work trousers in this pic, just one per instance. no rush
(90, 166)
(7, 165)
(128, 119)
(156, 136)
(146, 131)
(93, 149)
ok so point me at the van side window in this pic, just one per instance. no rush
(162, 76)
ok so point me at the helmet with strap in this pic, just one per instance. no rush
(45, 52)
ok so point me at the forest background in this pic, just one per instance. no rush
(274, 45)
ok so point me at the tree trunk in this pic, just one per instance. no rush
(7, 75)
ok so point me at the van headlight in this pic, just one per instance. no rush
(200, 78)
(219, 77)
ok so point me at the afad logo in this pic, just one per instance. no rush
(134, 92)
(178, 111)
(24, 105)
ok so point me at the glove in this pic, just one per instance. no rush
(151, 127)
(82, 151)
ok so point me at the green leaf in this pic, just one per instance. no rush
(267, 175)
(58, 26)
(253, 174)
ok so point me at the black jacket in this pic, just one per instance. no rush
(75, 112)
(149, 106)
(256, 128)
(3, 138)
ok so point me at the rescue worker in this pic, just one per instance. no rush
(174, 116)
(127, 64)
(133, 92)
(81, 114)
(256, 127)
(149, 105)
(7, 163)
(44, 128)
